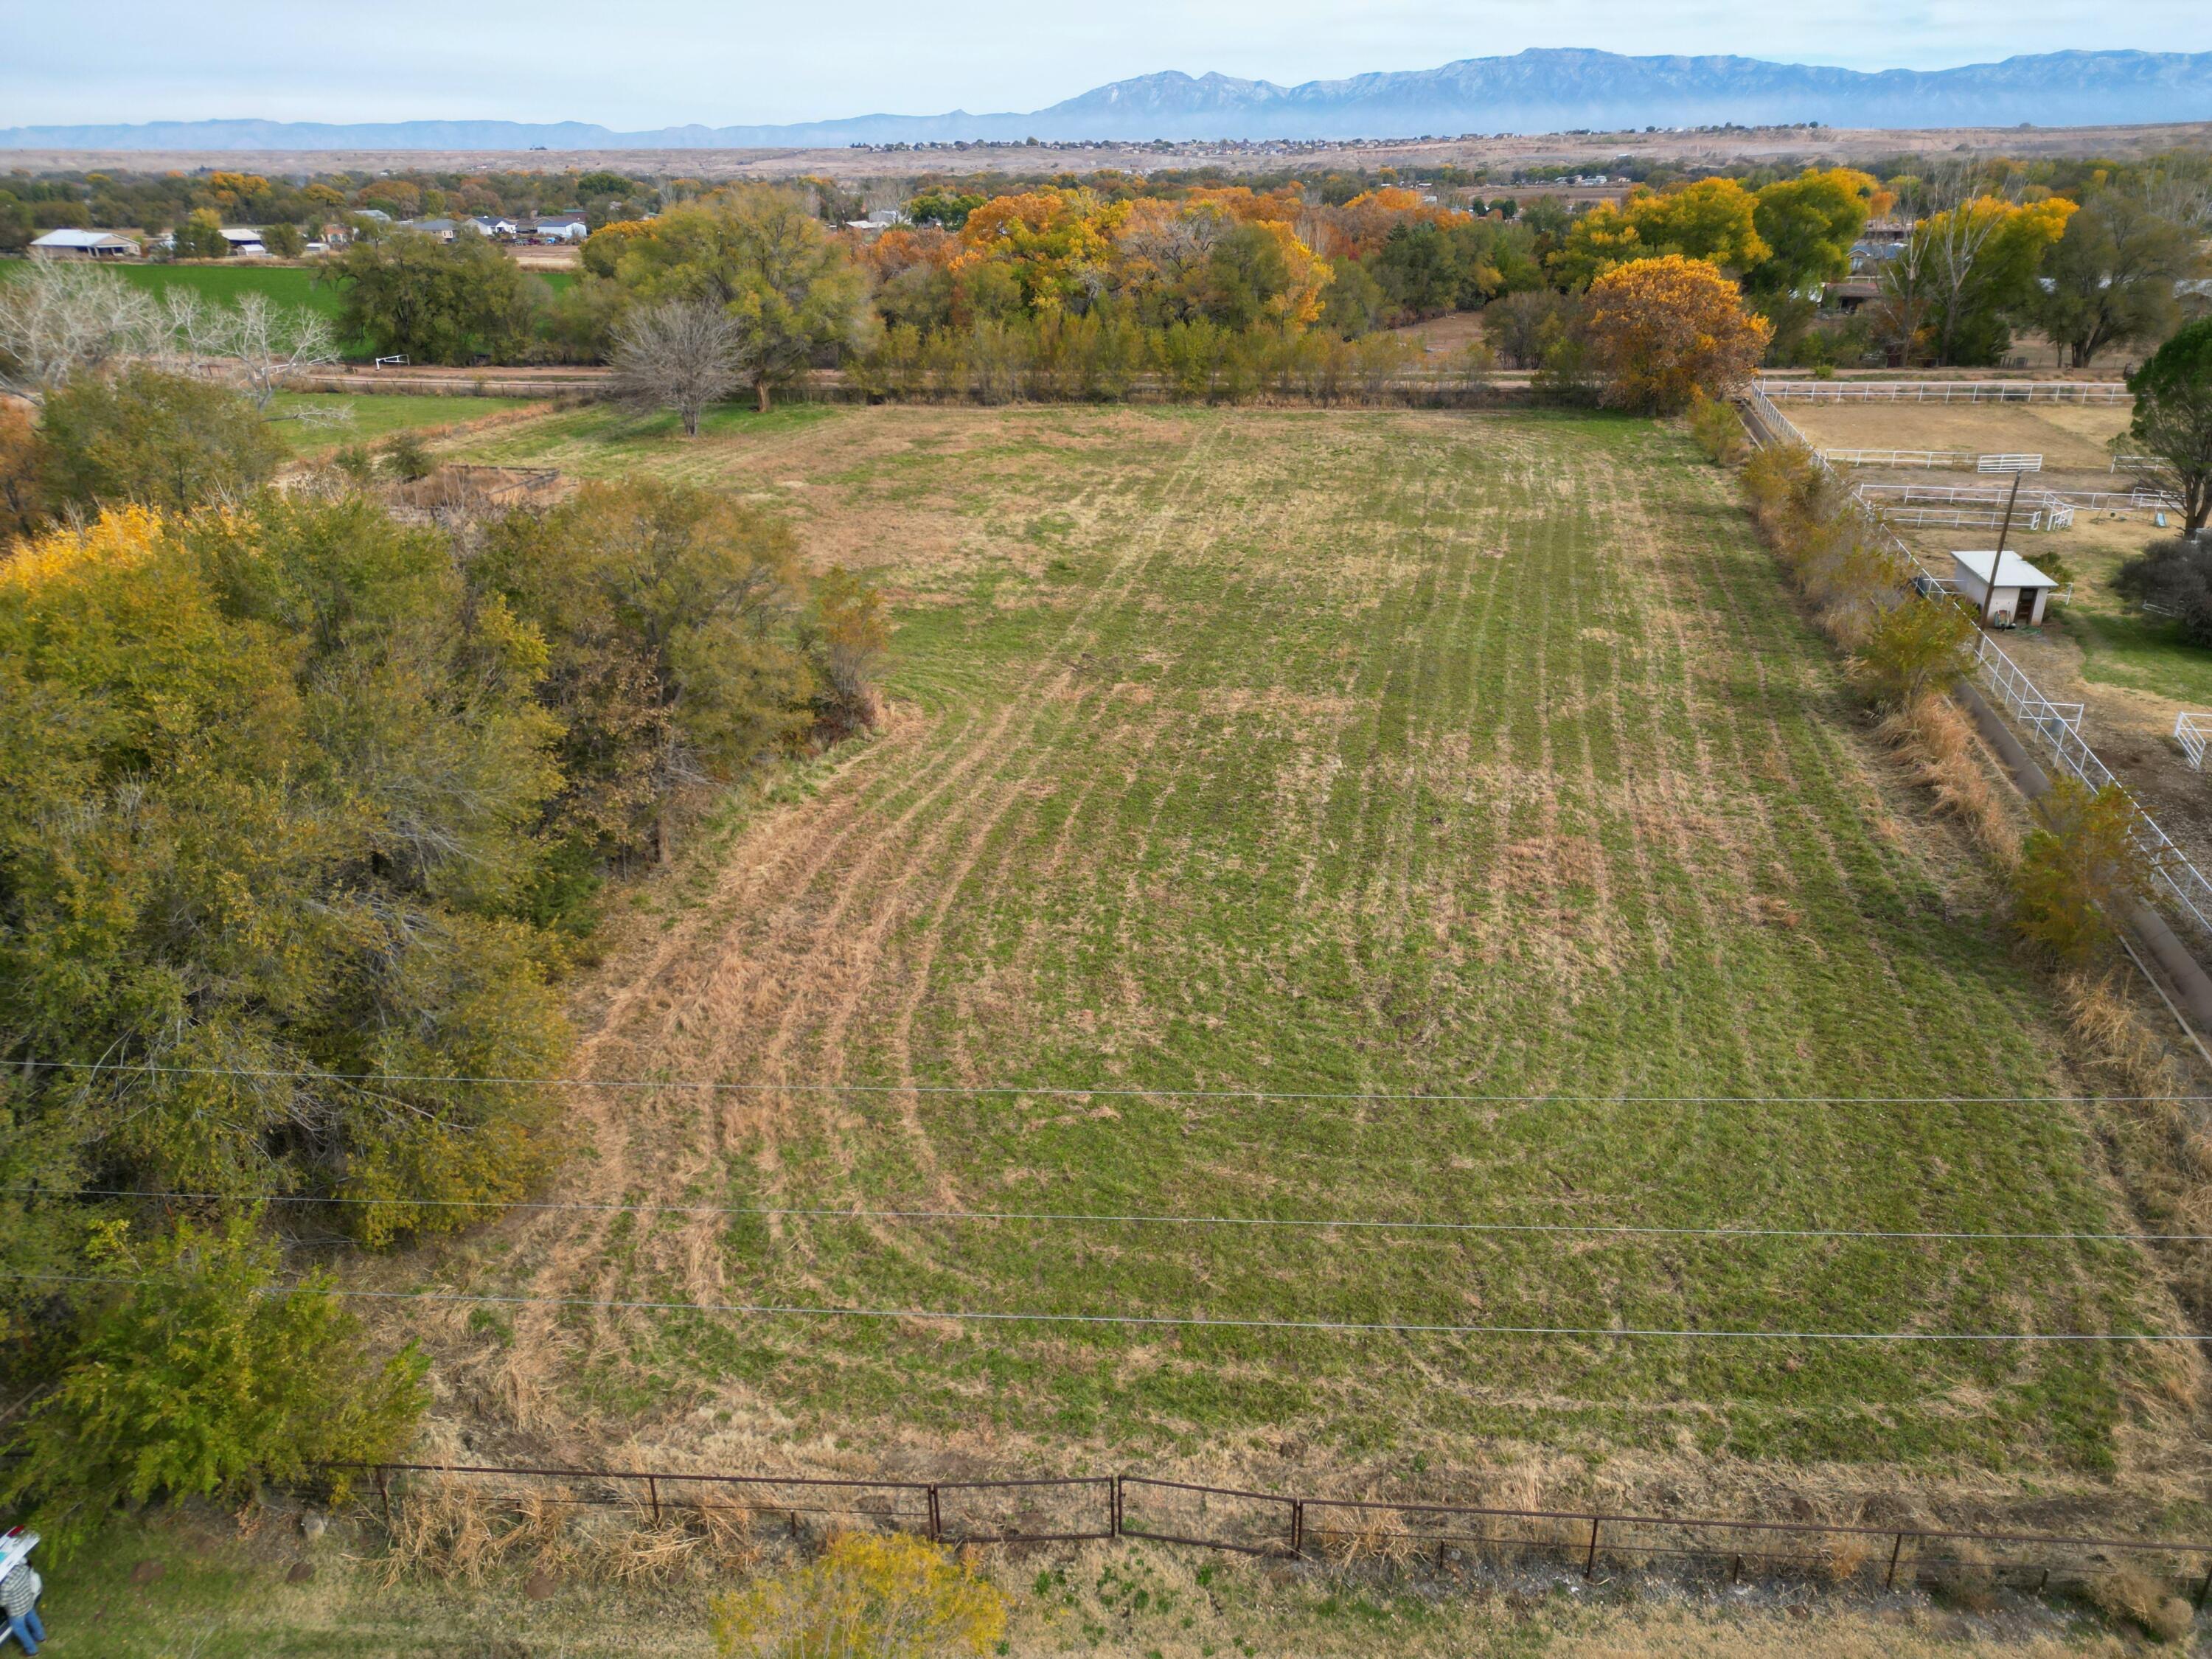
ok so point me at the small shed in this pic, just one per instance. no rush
(2005, 587)
(243, 243)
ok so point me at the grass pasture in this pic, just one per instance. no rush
(1296, 760)
(374, 417)
(229, 283)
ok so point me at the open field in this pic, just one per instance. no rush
(1314, 753)
(2071, 438)
(226, 283)
(374, 417)
(1503, 152)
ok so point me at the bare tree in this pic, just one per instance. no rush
(274, 346)
(61, 317)
(266, 346)
(681, 354)
(191, 329)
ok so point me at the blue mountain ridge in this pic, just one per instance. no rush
(1549, 90)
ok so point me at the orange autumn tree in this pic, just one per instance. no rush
(1055, 245)
(1662, 329)
(1363, 224)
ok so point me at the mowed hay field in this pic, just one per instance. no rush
(1287, 758)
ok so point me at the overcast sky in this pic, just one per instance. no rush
(643, 63)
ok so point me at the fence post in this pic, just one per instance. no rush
(2204, 1589)
(1115, 1502)
(653, 1491)
(1890, 1581)
(384, 1494)
(936, 1519)
(1298, 1528)
(1590, 1561)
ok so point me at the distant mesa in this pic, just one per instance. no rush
(1535, 91)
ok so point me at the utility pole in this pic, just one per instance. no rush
(2005, 529)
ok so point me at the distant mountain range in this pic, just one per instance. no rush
(1536, 91)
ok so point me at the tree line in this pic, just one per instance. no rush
(2094, 274)
(307, 807)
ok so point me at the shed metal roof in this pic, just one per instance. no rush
(2006, 569)
(82, 239)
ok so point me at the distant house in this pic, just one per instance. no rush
(880, 219)
(443, 229)
(494, 227)
(83, 245)
(2005, 587)
(560, 227)
(1869, 257)
(241, 243)
(1848, 296)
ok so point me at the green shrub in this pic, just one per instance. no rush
(2078, 867)
(1718, 429)
(197, 1374)
(408, 457)
(867, 1597)
(166, 440)
(1913, 648)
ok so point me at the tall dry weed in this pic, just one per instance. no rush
(2134, 1597)
(456, 1530)
(2110, 1027)
(1845, 1556)
(1934, 736)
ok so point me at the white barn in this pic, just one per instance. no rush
(2005, 587)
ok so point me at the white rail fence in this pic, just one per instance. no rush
(2057, 726)
(1925, 458)
(1932, 459)
(2119, 500)
(2193, 733)
(1965, 505)
(1946, 392)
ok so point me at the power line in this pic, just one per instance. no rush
(1140, 1218)
(1356, 1328)
(1097, 1090)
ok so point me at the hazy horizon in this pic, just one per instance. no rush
(671, 63)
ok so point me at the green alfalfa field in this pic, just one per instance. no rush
(1386, 816)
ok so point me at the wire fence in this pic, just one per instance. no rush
(1309, 1527)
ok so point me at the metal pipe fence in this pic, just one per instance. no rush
(1305, 1526)
(2193, 733)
